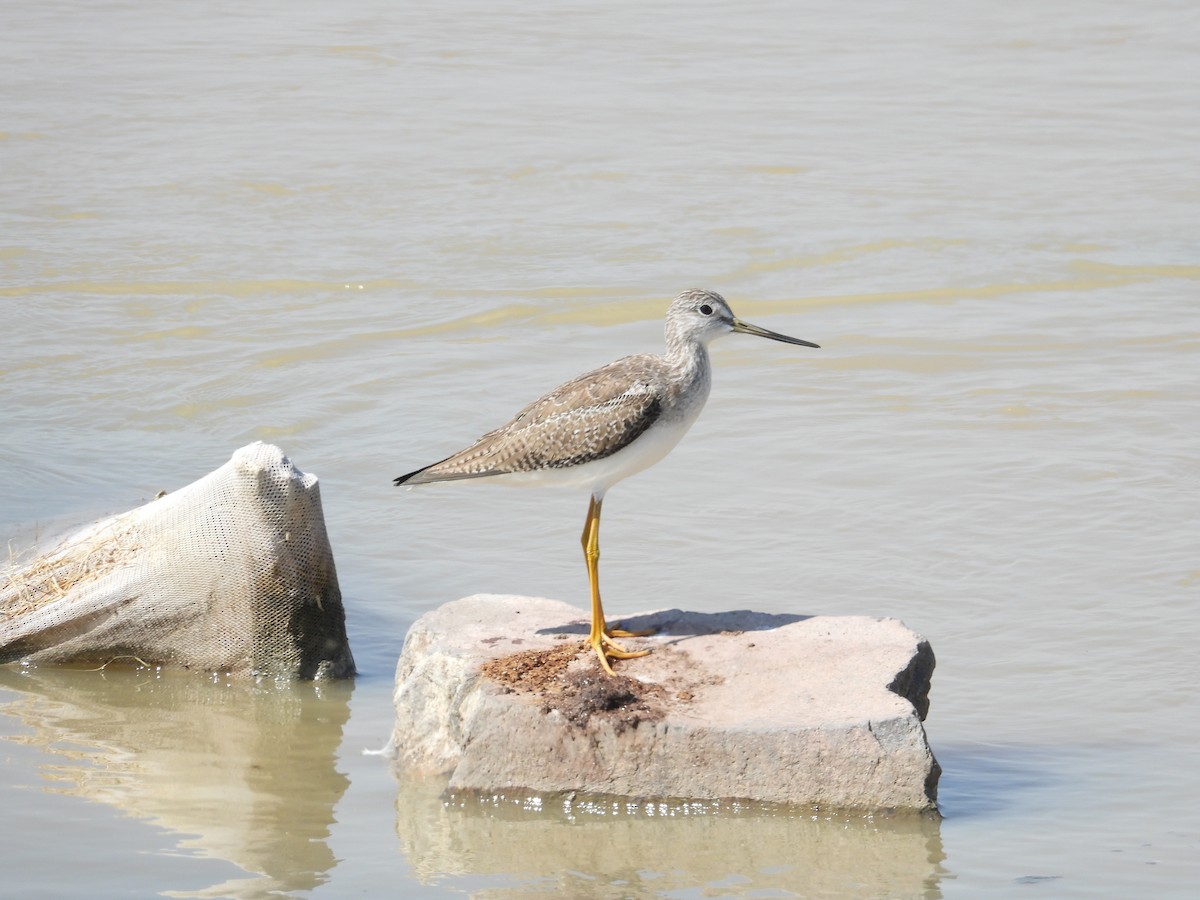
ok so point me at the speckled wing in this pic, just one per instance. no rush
(586, 419)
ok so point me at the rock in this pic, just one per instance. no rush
(500, 693)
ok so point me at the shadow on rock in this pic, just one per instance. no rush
(684, 623)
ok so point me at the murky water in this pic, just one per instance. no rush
(369, 233)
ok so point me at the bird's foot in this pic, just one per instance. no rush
(621, 632)
(605, 647)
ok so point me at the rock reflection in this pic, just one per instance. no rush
(245, 771)
(605, 848)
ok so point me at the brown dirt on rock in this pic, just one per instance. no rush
(532, 671)
(620, 701)
(571, 682)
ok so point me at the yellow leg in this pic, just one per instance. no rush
(600, 639)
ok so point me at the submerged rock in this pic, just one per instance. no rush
(501, 692)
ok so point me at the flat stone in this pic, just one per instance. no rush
(501, 693)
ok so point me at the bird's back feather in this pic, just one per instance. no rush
(589, 418)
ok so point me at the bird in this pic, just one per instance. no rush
(603, 426)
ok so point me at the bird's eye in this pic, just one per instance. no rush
(706, 310)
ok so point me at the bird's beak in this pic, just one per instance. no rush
(747, 328)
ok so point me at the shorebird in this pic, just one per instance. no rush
(606, 425)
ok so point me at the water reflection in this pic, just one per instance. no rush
(619, 848)
(245, 771)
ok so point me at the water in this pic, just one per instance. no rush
(369, 233)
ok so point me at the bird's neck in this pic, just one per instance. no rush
(687, 356)
(689, 380)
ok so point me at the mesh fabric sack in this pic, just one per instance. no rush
(231, 574)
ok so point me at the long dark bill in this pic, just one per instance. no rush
(747, 328)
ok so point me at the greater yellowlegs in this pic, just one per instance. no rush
(606, 425)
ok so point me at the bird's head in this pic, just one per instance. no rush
(702, 316)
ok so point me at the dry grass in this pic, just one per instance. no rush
(75, 562)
